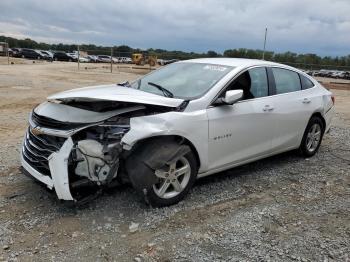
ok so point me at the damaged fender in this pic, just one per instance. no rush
(192, 126)
(154, 154)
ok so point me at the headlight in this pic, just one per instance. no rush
(110, 131)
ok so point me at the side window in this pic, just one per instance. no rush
(259, 86)
(286, 80)
(253, 83)
(305, 82)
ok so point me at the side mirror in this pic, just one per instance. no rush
(231, 97)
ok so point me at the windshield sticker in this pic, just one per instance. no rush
(215, 68)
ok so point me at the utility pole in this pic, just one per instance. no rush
(8, 53)
(112, 59)
(78, 58)
(263, 56)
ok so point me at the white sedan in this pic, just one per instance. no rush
(184, 121)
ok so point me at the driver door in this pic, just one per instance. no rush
(242, 131)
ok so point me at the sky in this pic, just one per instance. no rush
(310, 26)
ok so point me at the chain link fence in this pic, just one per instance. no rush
(115, 60)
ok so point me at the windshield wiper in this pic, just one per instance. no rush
(165, 91)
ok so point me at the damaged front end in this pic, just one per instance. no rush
(72, 146)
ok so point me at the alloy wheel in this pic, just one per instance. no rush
(173, 180)
(313, 137)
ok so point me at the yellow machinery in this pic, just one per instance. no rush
(144, 58)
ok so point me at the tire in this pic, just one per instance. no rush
(177, 182)
(38, 58)
(23, 56)
(55, 59)
(312, 137)
(70, 60)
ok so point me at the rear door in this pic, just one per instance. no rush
(293, 107)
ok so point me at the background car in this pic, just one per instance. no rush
(10, 51)
(16, 52)
(124, 60)
(62, 56)
(92, 58)
(84, 59)
(31, 54)
(47, 53)
(73, 54)
(106, 59)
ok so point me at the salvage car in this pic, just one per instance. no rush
(184, 121)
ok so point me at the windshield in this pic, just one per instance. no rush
(182, 80)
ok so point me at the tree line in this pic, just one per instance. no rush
(308, 61)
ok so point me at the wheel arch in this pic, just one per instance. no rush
(319, 115)
(178, 138)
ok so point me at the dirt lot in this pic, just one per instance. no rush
(284, 208)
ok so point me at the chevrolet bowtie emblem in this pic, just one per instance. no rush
(36, 131)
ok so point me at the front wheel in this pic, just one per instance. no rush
(171, 181)
(312, 137)
(174, 181)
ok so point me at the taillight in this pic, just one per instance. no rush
(333, 99)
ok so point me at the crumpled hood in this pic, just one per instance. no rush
(116, 93)
(65, 113)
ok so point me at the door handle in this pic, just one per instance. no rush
(306, 101)
(267, 108)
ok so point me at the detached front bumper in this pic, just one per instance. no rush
(57, 178)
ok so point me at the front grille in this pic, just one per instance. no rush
(37, 149)
(47, 122)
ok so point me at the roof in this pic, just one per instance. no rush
(235, 62)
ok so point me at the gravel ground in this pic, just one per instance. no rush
(284, 208)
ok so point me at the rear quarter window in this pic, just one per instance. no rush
(305, 82)
(286, 81)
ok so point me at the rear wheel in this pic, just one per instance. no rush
(312, 137)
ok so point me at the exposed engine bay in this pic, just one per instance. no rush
(90, 133)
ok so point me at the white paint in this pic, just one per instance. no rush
(58, 163)
(116, 93)
(65, 113)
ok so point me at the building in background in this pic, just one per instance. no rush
(3, 49)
